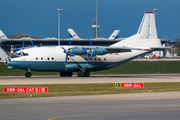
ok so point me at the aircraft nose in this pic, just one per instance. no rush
(6, 60)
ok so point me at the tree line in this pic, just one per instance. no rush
(20, 35)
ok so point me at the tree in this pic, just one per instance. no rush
(35, 37)
(177, 39)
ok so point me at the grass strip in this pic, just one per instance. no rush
(89, 89)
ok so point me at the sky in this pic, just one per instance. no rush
(40, 17)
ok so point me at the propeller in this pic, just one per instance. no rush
(40, 45)
(68, 52)
(32, 43)
(89, 52)
(17, 49)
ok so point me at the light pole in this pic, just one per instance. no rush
(155, 12)
(96, 18)
(59, 10)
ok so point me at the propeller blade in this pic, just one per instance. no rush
(40, 45)
(93, 54)
(69, 42)
(72, 54)
(17, 49)
(84, 49)
(32, 43)
(23, 43)
(66, 59)
(87, 59)
(64, 49)
(90, 43)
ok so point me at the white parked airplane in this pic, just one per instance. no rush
(68, 59)
(113, 36)
(2, 35)
(72, 33)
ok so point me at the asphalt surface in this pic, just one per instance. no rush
(131, 106)
(91, 79)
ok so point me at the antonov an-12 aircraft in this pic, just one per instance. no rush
(69, 59)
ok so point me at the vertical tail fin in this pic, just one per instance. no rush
(114, 35)
(2, 35)
(72, 33)
(147, 28)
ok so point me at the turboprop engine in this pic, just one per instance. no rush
(98, 51)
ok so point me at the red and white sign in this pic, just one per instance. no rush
(132, 85)
(26, 89)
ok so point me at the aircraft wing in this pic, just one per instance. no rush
(161, 47)
(128, 49)
(125, 49)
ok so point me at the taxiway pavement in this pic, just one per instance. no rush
(91, 79)
(134, 106)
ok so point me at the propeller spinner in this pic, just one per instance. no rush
(89, 52)
(68, 52)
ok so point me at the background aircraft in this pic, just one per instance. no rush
(113, 36)
(69, 59)
(2, 35)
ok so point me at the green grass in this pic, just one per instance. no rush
(144, 68)
(89, 89)
(127, 68)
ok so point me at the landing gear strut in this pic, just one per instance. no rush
(64, 74)
(28, 74)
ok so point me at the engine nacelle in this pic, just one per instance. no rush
(100, 51)
(77, 51)
(72, 66)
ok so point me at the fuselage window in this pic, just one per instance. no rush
(94, 58)
(36, 58)
(48, 58)
(90, 59)
(52, 58)
(104, 59)
(42, 58)
(68, 58)
(99, 59)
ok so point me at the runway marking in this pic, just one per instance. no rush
(119, 111)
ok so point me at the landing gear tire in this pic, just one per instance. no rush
(80, 74)
(86, 74)
(28, 74)
(64, 74)
(69, 74)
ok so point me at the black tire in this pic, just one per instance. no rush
(87, 74)
(80, 74)
(28, 74)
(69, 74)
(62, 74)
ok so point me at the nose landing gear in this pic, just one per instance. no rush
(28, 74)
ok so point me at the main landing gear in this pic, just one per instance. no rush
(83, 74)
(64, 74)
(28, 74)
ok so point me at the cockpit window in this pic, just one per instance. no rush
(20, 53)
